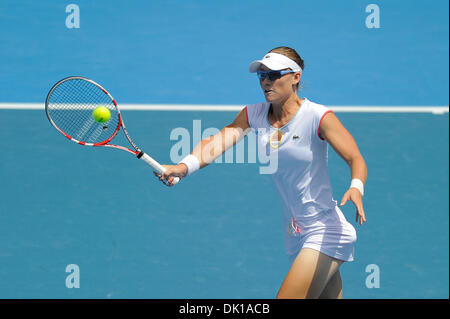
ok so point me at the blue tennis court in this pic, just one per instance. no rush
(218, 233)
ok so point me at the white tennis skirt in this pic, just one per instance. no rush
(331, 234)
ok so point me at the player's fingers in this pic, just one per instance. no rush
(167, 170)
(362, 214)
(157, 174)
(170, 179)
(169, 174)
(344, 199)
(358, 215)
(359, 210)
(161, 178)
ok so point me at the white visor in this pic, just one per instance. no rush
(275, 62)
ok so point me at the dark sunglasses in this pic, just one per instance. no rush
(272, 75)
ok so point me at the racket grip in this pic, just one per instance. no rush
(158, 167)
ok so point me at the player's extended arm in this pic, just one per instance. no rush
(211, 147)
(214, 146)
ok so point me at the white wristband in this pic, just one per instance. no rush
(192, 163)
(357, 183)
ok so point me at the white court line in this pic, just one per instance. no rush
(234, 108)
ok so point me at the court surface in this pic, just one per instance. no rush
(218, 233)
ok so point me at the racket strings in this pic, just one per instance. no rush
(71, 105)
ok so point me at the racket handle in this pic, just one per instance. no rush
(158, 167)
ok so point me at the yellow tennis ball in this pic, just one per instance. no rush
(101, 114)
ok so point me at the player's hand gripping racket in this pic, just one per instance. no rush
(85, 113)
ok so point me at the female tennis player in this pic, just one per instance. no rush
(318, 238)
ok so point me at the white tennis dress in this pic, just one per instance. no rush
(311, 217)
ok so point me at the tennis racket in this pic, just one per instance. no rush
(69, 107)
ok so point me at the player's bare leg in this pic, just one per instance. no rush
(309, 275)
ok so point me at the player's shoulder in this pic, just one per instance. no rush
(257, 106)
(257, 109)
(256, 113)
(315, 108)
